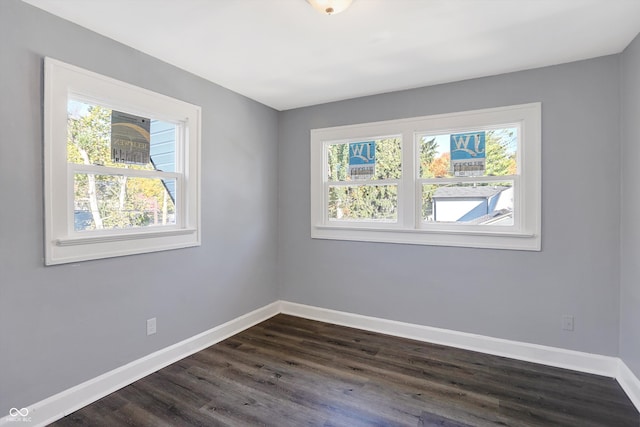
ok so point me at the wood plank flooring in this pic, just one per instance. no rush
(289, 371)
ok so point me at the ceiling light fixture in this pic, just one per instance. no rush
(330, 7)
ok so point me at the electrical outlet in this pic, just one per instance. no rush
(151, 326)
(567, 322)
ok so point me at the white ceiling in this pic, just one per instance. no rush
(285, 54)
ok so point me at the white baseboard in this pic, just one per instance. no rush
(551, 356)
(70, 400)
(629, 383)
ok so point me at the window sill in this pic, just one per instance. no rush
(490, 239)
(85, 248)
(106, 238)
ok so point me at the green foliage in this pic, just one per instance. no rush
(427, 200)
(363, 202)
(338, 162)
(428, 152)
(388, 159)
(89, 136)
(499, 162)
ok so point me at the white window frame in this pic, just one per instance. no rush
(524, 234)
(62, 243)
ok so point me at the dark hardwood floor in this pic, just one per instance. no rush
(289, 371)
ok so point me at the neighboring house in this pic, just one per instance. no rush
(474, 205)
(163, 143)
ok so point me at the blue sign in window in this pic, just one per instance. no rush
(362, 159)
(468, 146)
(468, 153)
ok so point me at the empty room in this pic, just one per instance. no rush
(319, 212)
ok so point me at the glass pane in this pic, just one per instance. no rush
(364, 202)
(107, 202)
(482, 153)
(369, 160)
(468, 203)
(100, 136)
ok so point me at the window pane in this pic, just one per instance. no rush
(468, 203)
(107, 202)
(100, 136)
(363, 202)
(483, 153)
(370, 160)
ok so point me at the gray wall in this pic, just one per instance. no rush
(63, 325)
(630, 262)
(507, 294)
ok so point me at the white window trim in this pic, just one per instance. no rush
(62, 243)
(409, 229)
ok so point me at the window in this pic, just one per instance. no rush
(121, 168)
(463, 179)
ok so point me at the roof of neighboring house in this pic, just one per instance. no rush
(494, 217)
(484, 191)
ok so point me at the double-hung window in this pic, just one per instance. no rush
(463, 179)
(121, 168)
